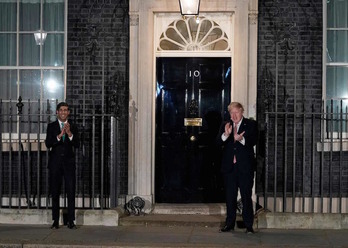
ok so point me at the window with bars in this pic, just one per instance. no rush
(33, 57)
(336, 64)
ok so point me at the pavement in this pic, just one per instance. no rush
(146, 234)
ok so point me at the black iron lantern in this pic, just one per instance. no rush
(189, 7)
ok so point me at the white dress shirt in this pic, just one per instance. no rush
(224, 137)
(60, 125)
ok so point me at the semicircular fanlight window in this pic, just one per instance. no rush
(188, 35)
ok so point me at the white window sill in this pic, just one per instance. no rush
(33, 145)
(336, 145)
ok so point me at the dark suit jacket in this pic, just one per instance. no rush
(245, 155)
(58, 149)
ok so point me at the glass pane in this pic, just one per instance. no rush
(8, 49)
(214, 34)
(29, 15)
(181, 26)
(30, 82)
(206, 25)
(193, 27)
(336, 120)
(337, 48)
(337, 82)
(53, 50)
(29, 52)
(53, 85)
(8, 15)
(217, 45)
(337, 14)
(30, 117)
(167, 45)
(49, 109)
(8, 124)
(8, 84)
(53, 15)
(173, 34)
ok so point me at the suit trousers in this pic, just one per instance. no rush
(244, 182)
(63, 169)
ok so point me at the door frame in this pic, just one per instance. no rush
(161, 21)
(142, 75)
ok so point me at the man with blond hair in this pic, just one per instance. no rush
(237, 137)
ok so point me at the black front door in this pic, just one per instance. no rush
(191, 102)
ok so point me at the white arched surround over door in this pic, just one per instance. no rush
(178, 37)
(150, 18)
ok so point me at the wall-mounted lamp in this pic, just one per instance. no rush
(40, 37)
(189, 7)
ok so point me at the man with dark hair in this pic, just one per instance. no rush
(237, 137)
(62, 137)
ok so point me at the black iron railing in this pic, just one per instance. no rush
(24, 157)
(306, 160)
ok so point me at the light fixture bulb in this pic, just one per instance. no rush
(197, 19)
(40, 37)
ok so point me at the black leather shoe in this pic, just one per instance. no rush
(227, 229)
(71, 225)
(249, 230)
(55, 225)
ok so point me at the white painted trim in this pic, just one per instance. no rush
(324, 48)
(193, 54)
(142, 54)
(336, 145)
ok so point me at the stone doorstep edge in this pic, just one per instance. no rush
(87, 217)
(302, 220)
(111, 218)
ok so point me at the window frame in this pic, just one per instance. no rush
(6, 136)
(336, 135)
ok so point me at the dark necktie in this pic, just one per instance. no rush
(234, 132)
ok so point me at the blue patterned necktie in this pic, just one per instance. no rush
(63, 137)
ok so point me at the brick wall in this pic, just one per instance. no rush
(295, 27)
(299, 25)
(94, 27)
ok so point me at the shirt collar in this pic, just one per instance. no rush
(60, 122)
(238, 124)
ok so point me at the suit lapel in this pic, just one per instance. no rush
(57, 125)
(243, 125)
